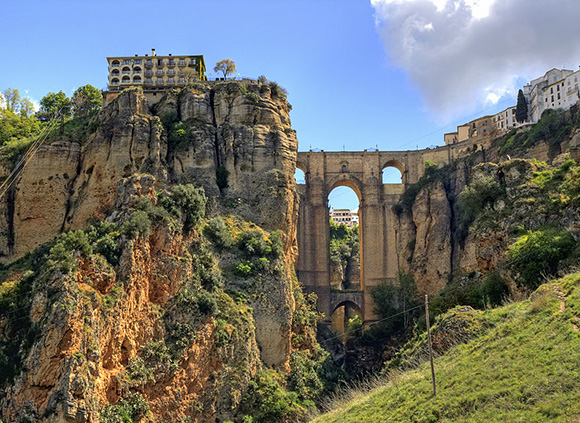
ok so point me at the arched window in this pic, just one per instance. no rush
(126, 70)
(136, 69)
(115, 63)
(137, 79)
(115, 81)
(115, 72)
(126, 80)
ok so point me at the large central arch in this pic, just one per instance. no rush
(362, 172)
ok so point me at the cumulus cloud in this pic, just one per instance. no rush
(464, 55)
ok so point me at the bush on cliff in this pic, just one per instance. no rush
(537, 254)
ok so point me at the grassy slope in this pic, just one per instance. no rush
(525, 368)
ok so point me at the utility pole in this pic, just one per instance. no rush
(430, 345)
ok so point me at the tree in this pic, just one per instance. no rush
(521, 108)
(189, 74)
(226, 67)
(12, 99)
(55, 106)
(85, 100)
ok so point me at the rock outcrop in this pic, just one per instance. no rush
(234, 141)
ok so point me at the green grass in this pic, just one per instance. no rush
(524, 368)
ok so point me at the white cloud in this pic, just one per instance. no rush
(466, 54)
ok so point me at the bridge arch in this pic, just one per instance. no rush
(360, 171)
(345, 180)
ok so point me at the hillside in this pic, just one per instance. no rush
(522, 366)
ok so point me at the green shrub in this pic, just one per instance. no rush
(211, 279)
(268, 402)
(482, 192)
(127, 410)
(179, 136)
(253, 244)
(61, 255)
(217, 232)
(537, 254)
(138, 224)
(187, 203)
(277, 90)
(390, 300)
(253, 98)
(104, 237)
(470, 290)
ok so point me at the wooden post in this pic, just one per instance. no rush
(430, 345)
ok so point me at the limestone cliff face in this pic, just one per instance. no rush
(436, 244)
(233, 140)
(250, 136)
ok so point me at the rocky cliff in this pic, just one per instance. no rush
(441, 239)
(147, 305)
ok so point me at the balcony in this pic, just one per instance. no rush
(149, 64)
(171, 63)
(181, 63)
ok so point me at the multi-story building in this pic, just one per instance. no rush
(546, 92)
(155, 73)
(505, 120)
(344, 216)
(461, 134)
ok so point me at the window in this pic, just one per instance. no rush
(126, 70)
(115, 63)
(181, 62)
(552, 99)
(558, 88)
(193, 61)
(148, 81)
(137, 61)
(137, 79)
(126, 62)
(149, 62)
(115, 72)
(159, 72)
(137, 70)
(170, 80)
(551, 90)
(160, 80)
(160, 62)
(558, 96)
(181, 79)
(170, 72)
(171, 62)
(126, 80)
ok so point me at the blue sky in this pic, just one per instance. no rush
(396, 74)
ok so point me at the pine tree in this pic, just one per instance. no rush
(521, 108)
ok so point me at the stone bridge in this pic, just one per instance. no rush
(361, 171)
